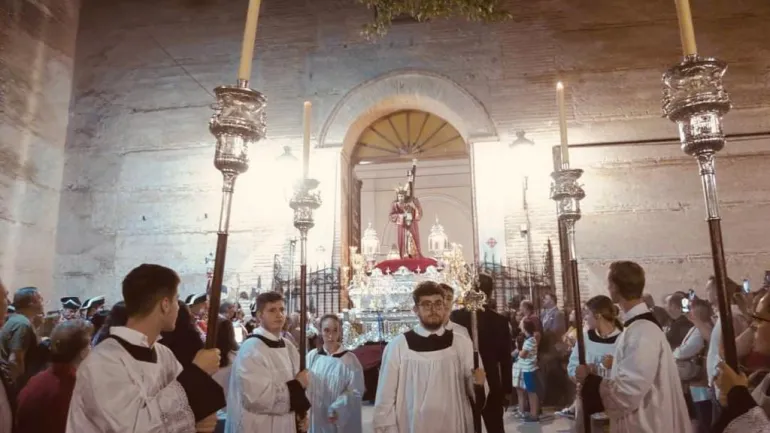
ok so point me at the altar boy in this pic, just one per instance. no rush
(426, 379)
(267, 390)
(644, 393)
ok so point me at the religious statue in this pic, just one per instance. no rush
(406, 212)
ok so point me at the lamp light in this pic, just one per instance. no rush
(370, 244)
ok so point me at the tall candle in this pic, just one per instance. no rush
(686, 30)
(562, 125)
(306, 142)
(249, 38)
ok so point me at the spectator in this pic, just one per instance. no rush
(50, 391)
(690, 362)
(679, 325)
(117, 317)
(660, 313)
(18, 338)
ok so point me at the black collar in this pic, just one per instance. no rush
(140, 353)
(645, 316)
(432, 343)
(594, 336)
(268, 342)
(322, 352)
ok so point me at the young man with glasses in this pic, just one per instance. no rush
(427, 374)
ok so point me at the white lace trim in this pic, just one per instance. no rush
(176, 412)
(753, 421)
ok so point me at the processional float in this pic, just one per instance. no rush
(567, 193)
(695, 99)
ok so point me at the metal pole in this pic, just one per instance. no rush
(238, 123)
(304, 202)
(567, 193)
(695, 99)
(474, 300)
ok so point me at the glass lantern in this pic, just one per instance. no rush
(393, 254)
(370, 244)
(438, 242)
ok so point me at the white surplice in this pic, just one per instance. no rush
(425, 392)
(258, 399)
(457, 329)
(644, 393)
(336, 385)
(116, 393)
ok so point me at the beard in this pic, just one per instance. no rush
(432, 323)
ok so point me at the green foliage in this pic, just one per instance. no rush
(423, 10)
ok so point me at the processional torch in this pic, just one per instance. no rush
(567, 193)
(304, 202)
(238, 123)
(695, 99)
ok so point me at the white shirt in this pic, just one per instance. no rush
(712, 356)
(691, 346)
(457, 329)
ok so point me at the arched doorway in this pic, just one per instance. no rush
(378, 162)
(405, 89)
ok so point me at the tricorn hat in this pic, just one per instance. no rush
(94, 302)
(71, 302)
(196, 299)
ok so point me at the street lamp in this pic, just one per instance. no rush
(525, 148)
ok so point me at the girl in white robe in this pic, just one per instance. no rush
(604, 328)
(643, 393)
(336, 383)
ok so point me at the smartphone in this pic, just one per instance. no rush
(685, 305)
(746, 287)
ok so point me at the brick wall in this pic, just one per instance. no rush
(37, 46)
(139, 153)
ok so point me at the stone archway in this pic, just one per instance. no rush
(401, 90)
(395, 91)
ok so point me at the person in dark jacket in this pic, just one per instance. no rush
(495, 351)
(185, 340)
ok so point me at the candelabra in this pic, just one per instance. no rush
(695, 99)
(237, 123)
(304, 202)
(567, 193)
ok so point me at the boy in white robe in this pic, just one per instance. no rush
(267, 390)
(427, 377)
(129, 384)
(644, 393)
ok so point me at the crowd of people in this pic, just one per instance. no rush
(141, 366)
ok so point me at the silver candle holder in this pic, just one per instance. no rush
(695, 99)
(305, 200)
(567, 193)
(238, 123)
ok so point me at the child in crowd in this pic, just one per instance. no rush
(525, 374)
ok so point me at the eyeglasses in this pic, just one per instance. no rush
(438, 305)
